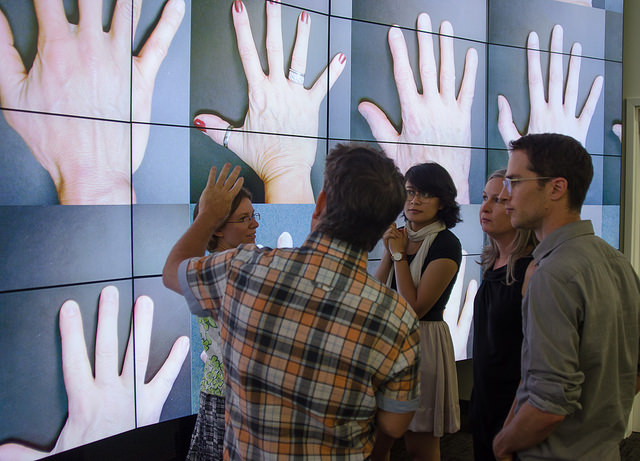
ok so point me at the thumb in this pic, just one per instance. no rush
(212, 126)
(507, 128)
(380, 126)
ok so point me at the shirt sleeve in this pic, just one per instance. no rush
(553, 318)
(401, 391)
(445, 246)
(203, 282)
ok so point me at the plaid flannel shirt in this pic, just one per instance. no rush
(313, 346)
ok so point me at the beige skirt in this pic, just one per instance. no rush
(439, 410)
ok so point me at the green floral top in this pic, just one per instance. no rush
(213, 379)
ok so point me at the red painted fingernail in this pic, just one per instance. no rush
(199, 123)
(305, 17)
(238, 6)
(342, 58)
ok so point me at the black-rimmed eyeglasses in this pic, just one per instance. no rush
(414, 194)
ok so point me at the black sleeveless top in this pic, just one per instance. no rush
(445, 246)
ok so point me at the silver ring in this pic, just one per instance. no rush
(227, 134)
(296, 77)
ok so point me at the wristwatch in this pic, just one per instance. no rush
(397, 256)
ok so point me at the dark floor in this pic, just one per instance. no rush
(169, 441)
(459, 447)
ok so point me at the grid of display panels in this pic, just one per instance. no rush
(51, 253)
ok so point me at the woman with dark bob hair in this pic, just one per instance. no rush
(421, 261)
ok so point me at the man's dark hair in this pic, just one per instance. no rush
(212, 244)
(559, 156)
(433, 179)
(365, 194)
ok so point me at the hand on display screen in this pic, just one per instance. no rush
(617, 130)
(107, 404)
(459, 312)
(557, 113)
(436, 125)
(284, 240)
(278, 138)
(83, 76)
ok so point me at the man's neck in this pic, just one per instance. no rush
(553, 222)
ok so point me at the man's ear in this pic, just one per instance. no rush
(559, 188)
(321, 204)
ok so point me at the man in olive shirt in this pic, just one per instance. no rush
(581, 314)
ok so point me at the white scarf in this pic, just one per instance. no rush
(426, 235)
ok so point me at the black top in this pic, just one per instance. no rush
(497, 341)
(446, 245)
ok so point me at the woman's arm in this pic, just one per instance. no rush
(433, 283)
(382, 272)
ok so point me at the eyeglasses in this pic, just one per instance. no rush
(247, 219)
(413, 194)
(508, 182)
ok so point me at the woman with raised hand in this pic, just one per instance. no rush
(422, 261)
(208, 433)
(497, 319)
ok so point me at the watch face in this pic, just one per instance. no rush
(397, 256)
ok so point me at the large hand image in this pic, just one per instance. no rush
(113, 401)
(436, 125)
(459, 311)
(84, 76)
(557, 112)
(278, 138)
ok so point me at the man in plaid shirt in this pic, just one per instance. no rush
(321, 360)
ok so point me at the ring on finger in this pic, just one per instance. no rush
(296, 77)
(227, 134)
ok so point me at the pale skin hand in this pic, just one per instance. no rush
(276, 105)
(459, 319)
(83, 71)
(554, 114)
(104, 406)
(436, 117)
(284, 240)
(617, 130)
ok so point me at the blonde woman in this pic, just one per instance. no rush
(497, 319)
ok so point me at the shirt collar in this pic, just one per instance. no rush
(559, 236)
(335, 247)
